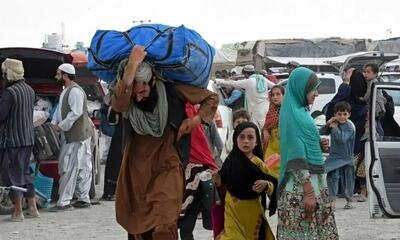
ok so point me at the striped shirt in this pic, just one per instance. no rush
(17, 115)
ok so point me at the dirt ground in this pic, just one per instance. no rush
(99, 222)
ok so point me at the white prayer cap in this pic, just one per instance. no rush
(67, 68)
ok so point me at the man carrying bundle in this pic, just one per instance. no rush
(151, 182)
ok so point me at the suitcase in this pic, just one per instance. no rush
(41, 147)
(47, 143)
(53, 139)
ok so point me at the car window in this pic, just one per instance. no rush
(395, 94)
(328, 86)
(392, 107)
(390, 78)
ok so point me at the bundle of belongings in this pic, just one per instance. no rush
(47, 142)
(41, 111)
(175, 53)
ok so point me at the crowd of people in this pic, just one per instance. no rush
(163, 160)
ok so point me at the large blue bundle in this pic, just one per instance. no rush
(177, 53)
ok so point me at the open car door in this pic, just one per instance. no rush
(382, 154)
(358, 60)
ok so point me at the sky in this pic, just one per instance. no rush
(24, 23)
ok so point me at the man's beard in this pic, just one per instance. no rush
(60, 81)
(149, 103)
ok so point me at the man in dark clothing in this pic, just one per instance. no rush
(16, 141)
(115, 153)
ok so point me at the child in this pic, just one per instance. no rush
(339, 164)
(238, 117)
(197, 193)
(271, 129)
(247, 180)
(370, 72)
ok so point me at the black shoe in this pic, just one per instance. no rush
(60, 208)
(107, 197)
(81, 204)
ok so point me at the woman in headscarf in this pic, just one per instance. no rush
(247, 182)
(304, 207)
(271, 129)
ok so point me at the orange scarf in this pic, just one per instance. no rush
(272, 117)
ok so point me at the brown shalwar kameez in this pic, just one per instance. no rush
(151, 180)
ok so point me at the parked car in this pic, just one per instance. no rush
(330, 82)
(329, 86)
(40, 68)
(382, 160)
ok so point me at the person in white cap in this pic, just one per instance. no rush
(255, 87)
(17, 136)
(74, 161)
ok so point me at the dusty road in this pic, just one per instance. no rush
(99, 223)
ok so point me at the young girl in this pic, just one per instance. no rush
(238, 116)
(247, 181)
(271, 127)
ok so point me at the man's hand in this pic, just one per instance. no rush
(55, 127)
(187, 125)
(135, 59)
(137, 55)
(260, 186)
